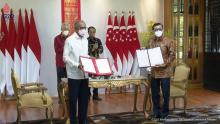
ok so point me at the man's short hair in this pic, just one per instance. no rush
(91, 27)
(65, 26)
(157, 24)
(77, 24)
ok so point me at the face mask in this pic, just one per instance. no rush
(158, 33)
(82, 32)
(65, 33)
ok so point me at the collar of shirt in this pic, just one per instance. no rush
(62, 37)
(89, 38)
(158, 39)
(92, 39)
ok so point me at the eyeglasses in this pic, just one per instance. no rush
(158, 29)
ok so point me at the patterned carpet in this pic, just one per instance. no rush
(198, 115)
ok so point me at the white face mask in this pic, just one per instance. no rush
(158, 33)
(82, 32)
(65, 33)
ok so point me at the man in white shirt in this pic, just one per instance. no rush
(75, 46)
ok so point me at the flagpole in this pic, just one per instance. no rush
(132, 12)
(8, 92)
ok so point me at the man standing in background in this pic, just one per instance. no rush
(95, 49)
(59, 41)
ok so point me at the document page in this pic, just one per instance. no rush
(103, 66)
(88, 65)
(155, 56)
(143, 59)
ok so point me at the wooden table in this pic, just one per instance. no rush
(111, 83)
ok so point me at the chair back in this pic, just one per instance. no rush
(181, 72)
(15, 82)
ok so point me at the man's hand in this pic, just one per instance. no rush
(95, 47)
(80, 66)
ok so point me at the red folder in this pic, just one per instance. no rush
(100, 66)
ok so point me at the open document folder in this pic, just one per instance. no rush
(95, 66)
(149, 57)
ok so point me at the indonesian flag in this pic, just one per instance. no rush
(3, 40)
(24, 50)
(33, 52)
(119, 53)
(123, 45)
(131, 54)
(10, 53)
(136, 45)
(109, 50)
(17, 50)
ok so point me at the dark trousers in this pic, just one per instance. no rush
(78, 91)
(61, 73)
(164, 83)
(95, 92)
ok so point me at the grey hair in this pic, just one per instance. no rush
(65, 26)
(78, 23)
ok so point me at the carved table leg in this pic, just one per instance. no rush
(146, 95)
(135, 98)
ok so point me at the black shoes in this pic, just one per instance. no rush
(154, 116)
(164, 116)
(96, 98)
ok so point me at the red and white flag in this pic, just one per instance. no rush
(10, 53)
(24, 50)
(3, 41)
(109, 50)
(131, 55)
(33, 52)
(123, 45)
(18, 45)
(136, 45)
(116, 40)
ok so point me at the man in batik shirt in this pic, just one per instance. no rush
(161, 73)
(95, 49)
